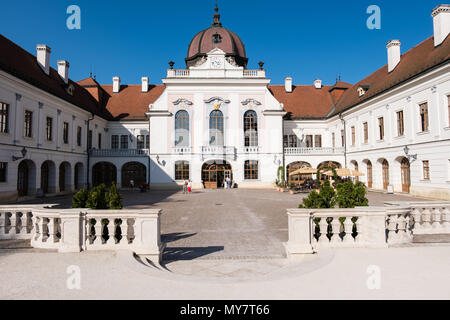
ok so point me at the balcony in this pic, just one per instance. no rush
(105, 153)
(182, 150)
(251, 150)
(186, 73)
(313, 151)
(218, 151)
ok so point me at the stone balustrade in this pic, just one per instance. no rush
(16, 221)
(77, 230)
(106, 153)
(367, 227)
(316, 151)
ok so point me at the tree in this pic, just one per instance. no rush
(115, 199)
(98, 198)
(324, 199)
(351, 195)
(79, 199)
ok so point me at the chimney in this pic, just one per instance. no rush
(63, 70)
(441, 23)
(318, 84)
(144, 84)
(288, 84)
(394, 54)
(43, 57)
(116, 85)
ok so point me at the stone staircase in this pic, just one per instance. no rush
(432, 238)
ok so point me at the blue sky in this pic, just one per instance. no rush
(135, 38)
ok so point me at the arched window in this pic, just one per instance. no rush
(251, 170)
(216, 128)
(251, 129)
(182, 129)
(182, 170)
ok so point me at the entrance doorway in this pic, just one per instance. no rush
(22, 179)
(214, 174)
(369, 175)
(385, 165)
(406, 175)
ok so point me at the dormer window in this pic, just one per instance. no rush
(70, 89)
(362, 90)
(217, 38)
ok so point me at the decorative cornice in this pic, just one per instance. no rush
(251, 102)
(210, 100)
(443, 8)
(183, 101)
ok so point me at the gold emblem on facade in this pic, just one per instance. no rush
(217, 106)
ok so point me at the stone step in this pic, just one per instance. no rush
(432, 238)
(15, 244)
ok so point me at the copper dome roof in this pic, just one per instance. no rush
(216, 37)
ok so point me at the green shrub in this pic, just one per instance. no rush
(115, 199)
(325, 199)
(79, 199)
(351, 195)
(98, 198)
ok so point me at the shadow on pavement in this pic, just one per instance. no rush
(172, 237)
(183, 254)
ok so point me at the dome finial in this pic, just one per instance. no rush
(217, 22)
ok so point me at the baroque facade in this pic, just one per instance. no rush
(218, 119)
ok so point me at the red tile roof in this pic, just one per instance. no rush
(23, 65)
(131, 103)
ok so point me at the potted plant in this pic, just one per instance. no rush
(292, 188)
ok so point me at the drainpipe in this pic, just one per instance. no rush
(149, 154)
(345, 138)
(88, 151)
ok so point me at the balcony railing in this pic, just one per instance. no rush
(119, 153)
(186, 73)
(182, 150)
(251, 150)
(218, 150)
(302, 151)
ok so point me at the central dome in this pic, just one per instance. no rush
(216, 37)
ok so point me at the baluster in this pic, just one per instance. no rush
(392, 227)
(51, 230)
(436, 216)
(426, 218)
(89, 239)
(2, 224)
(348, 229)
(401, 222)
(336, 230)
(408, 220)
(124, 229)
(39, 229)
(417, 216)
(98, 232)
(323, 224)
(13, 223)
(359, 230)
(111, 231)
(446, 220)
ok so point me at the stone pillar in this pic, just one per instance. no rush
(72, 231)
(300, 233)
(147, 240)
(373, 228)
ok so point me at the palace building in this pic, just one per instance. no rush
(217, 119)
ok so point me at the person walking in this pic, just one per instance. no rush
(132, 184)
(185, 187)
(189, 186)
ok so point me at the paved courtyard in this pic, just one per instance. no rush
(223, 224)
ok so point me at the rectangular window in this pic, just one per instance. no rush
(3, 171)
(309, 141)
(147, 142)
(4, 118)
(123, 142)
(424, 117)
(182, 170)
(140, 142)
(90, 140)
(251, 170)
(115, 142)
(318, 141)
(79, 136)
(366, 132)
(293, 141)
(333, 140)
(28, 124)
(342, 138)
(286, 141)
(99, 141)
(353, 136)
(49, 130)
(400, 124)
(381, 128)
(426, 170)
(66, 132)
